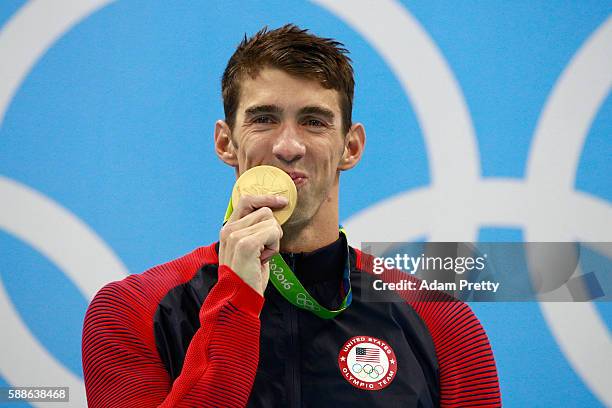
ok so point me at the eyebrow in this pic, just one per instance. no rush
(319, 111)
(307, 110)
(259, 109)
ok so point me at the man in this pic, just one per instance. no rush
(207, 329)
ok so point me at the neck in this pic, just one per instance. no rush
(319, 231)
(308, 239)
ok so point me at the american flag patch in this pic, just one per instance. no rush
(367, 355)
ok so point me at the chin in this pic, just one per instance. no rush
(295, 222)
(299, 218)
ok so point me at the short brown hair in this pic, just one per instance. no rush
(297, 52)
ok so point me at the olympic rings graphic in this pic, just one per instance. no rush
(367, 371)
(373, 372)
(302, 300)
(581, 90)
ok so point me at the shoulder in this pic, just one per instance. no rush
(461, 344)
(443, 314)
(136, 297)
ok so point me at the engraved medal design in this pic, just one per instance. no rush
(267, 180)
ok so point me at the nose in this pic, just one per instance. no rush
(288, 147)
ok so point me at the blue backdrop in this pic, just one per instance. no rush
(108, 128)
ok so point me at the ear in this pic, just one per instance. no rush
(353, 147)
(224, 146)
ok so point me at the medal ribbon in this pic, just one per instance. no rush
(290, 287)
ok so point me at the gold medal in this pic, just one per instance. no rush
(267, 180)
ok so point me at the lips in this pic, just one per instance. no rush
(298, 178)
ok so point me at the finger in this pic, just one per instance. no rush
(267, 254)
(270, 225)
(255, 238)
(261, 214)
(270, 238)
(249, 203)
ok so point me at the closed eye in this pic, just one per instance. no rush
(262, 120)
(314, 123)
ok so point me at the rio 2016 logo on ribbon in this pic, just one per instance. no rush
(277, 273)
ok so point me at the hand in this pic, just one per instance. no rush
(250, 238)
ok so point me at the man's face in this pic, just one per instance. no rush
(294, 124)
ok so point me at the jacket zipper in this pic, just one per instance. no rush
(295, 391)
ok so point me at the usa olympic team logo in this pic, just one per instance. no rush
(367, 363)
